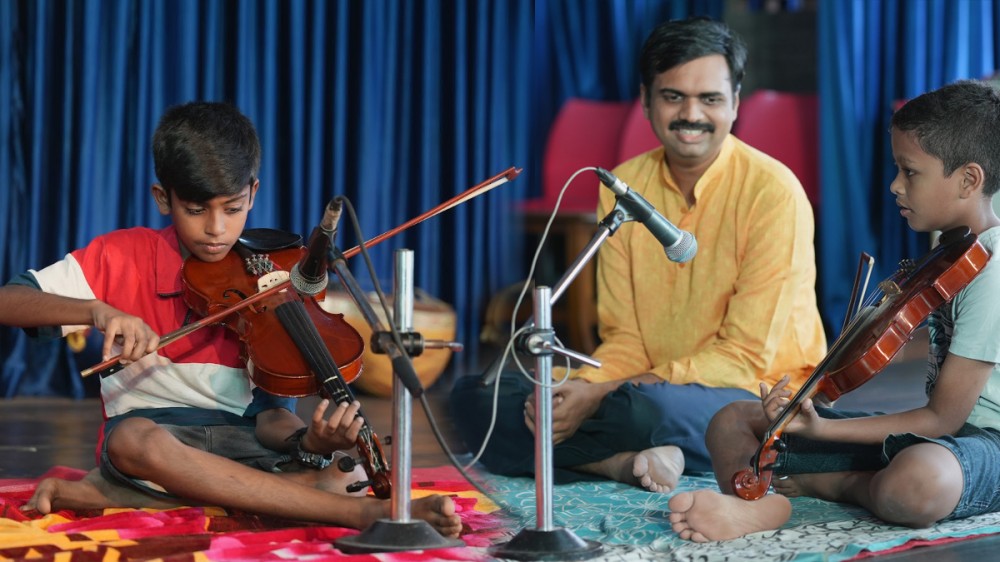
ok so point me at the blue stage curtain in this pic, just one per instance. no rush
(872, 55)
(398, 105)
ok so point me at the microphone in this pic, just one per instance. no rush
(309, 276)
(679, 245)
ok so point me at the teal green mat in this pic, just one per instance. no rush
(632, 524)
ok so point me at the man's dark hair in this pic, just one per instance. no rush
(202, 150)
(957, 124)
(679, 41)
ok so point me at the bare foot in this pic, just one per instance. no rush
(830, 486)
(437, 510)
(788, 486)
(92, 492)
(658, 469)
(704, 515)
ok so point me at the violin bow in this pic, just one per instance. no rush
(112, 365)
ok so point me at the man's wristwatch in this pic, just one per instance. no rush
(305, 458)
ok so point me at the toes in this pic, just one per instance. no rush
(698, 537)
(681, 502)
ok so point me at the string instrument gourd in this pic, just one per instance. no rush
(870, 340)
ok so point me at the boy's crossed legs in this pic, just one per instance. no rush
(922, 484)
(146, 451)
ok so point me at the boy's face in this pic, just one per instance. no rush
(927, 199)
(207, 230)
(691, 109)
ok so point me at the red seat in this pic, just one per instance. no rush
(585, 133)
(784, 125)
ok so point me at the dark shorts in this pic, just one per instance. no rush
(234, 442)
(977, 450)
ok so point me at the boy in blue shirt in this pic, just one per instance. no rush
(946, 145)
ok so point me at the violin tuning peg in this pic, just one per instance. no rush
(346, 463)
(358, 486)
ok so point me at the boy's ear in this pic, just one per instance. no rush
(253, 192)
(972, 179)
(162, 199)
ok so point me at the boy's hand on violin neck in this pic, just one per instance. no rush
(339, 431)
(805, 421)
(132, 333)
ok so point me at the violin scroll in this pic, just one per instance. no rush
(749, 485)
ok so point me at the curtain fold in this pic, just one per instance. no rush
(399, 106)
(396, 105)
(872, 56)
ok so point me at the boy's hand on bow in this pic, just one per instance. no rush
(132, 333)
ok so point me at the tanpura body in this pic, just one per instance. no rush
(872, 338)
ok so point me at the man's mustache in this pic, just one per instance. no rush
(689, 126)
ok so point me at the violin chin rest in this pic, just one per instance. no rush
(269, 239)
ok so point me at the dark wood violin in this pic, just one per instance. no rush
(872, 337)
(291, 346)
(113, 364)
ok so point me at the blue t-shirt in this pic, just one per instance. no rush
(969, 326)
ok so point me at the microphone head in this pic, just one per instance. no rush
(684, 249)
(306, 284)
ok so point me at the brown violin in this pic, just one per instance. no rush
(291, 346)
(870, 340)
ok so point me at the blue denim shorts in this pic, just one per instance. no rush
(977, 450)
(235, 442)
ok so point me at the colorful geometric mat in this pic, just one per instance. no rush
(629, 524)
(214, 534)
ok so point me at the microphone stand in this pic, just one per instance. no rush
(400, 532)
(607, 227)
(545, 542)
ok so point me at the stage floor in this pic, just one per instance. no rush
(40, 433)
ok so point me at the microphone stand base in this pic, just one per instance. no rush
(386, 535)
(557, 544)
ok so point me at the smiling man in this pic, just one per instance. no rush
(679, 341)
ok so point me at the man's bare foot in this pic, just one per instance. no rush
(437, 510)
(657, 469)
(92, 492)
(704, 515)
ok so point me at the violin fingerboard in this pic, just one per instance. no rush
(301, 328)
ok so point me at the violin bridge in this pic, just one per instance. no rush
(271, 279)
(889, 288)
